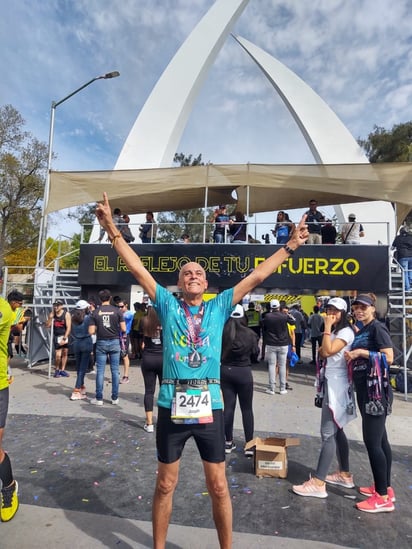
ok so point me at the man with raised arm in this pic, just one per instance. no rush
(189, 402)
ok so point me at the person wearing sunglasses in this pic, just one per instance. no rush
(372, 341)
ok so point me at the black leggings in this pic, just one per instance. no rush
(315, 340)
(152, 364)
(237, 381)
(298, 344)
(375, 438)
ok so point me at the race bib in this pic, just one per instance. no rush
(192, 404)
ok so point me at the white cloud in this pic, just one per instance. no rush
(355, 53)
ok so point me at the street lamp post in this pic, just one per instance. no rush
(41, 248)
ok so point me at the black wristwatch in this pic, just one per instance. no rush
(289, 250)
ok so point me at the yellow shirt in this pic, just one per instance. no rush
(6, 318)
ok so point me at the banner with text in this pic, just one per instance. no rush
(342, 267)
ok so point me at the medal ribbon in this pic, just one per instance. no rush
(194, 323)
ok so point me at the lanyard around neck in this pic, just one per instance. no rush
(194, 322)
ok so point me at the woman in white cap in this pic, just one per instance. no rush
(337, 404)
(83, 346)
(239, 343)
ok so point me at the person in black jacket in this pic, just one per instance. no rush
(403, 245)
(238, 345)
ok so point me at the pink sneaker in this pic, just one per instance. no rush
(77, 395)
(339, 479)
(370, 491)
(376, 504)
(311, 489)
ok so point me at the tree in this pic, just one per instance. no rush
(389, 146)
(23, 164)
(173, 224)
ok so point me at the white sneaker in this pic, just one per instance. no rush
(269, 392)
(115, 401)
(97, 402)
(283, 392)
(148, 428)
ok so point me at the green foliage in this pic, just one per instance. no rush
(85, 215)
(172, 225)
(23, 163)
(394, 145)
(183, 160)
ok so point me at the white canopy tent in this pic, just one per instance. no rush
(253, 187)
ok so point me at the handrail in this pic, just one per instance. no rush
(262, 231)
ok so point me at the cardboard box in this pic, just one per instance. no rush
(271, 459)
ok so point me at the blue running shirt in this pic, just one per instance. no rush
(176, 349)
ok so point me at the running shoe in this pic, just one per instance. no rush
(115, 401)
(77, 395)
(97, 402)
(376, 504)
(56, 373)
(269, 392)
(370, 491)
(9, 502)
(249, 453)
(148, 428)
(340, 480)
(229, 447)
(63, 373)
(310, 489)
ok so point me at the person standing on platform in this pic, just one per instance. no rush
(283, 228)
(314, 219)
(352, 232)
(190, 402)
(221, 221)
(403, 246)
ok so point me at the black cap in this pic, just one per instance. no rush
(364, 299)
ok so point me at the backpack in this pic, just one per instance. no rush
(400, 382)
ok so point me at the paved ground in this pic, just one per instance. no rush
(86, 473)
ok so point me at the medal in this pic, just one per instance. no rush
(195, 359)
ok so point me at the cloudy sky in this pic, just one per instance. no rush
(356, 54)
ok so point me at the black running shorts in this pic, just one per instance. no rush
(171, 438)
(4, 406)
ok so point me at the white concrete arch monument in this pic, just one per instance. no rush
(155, 135)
